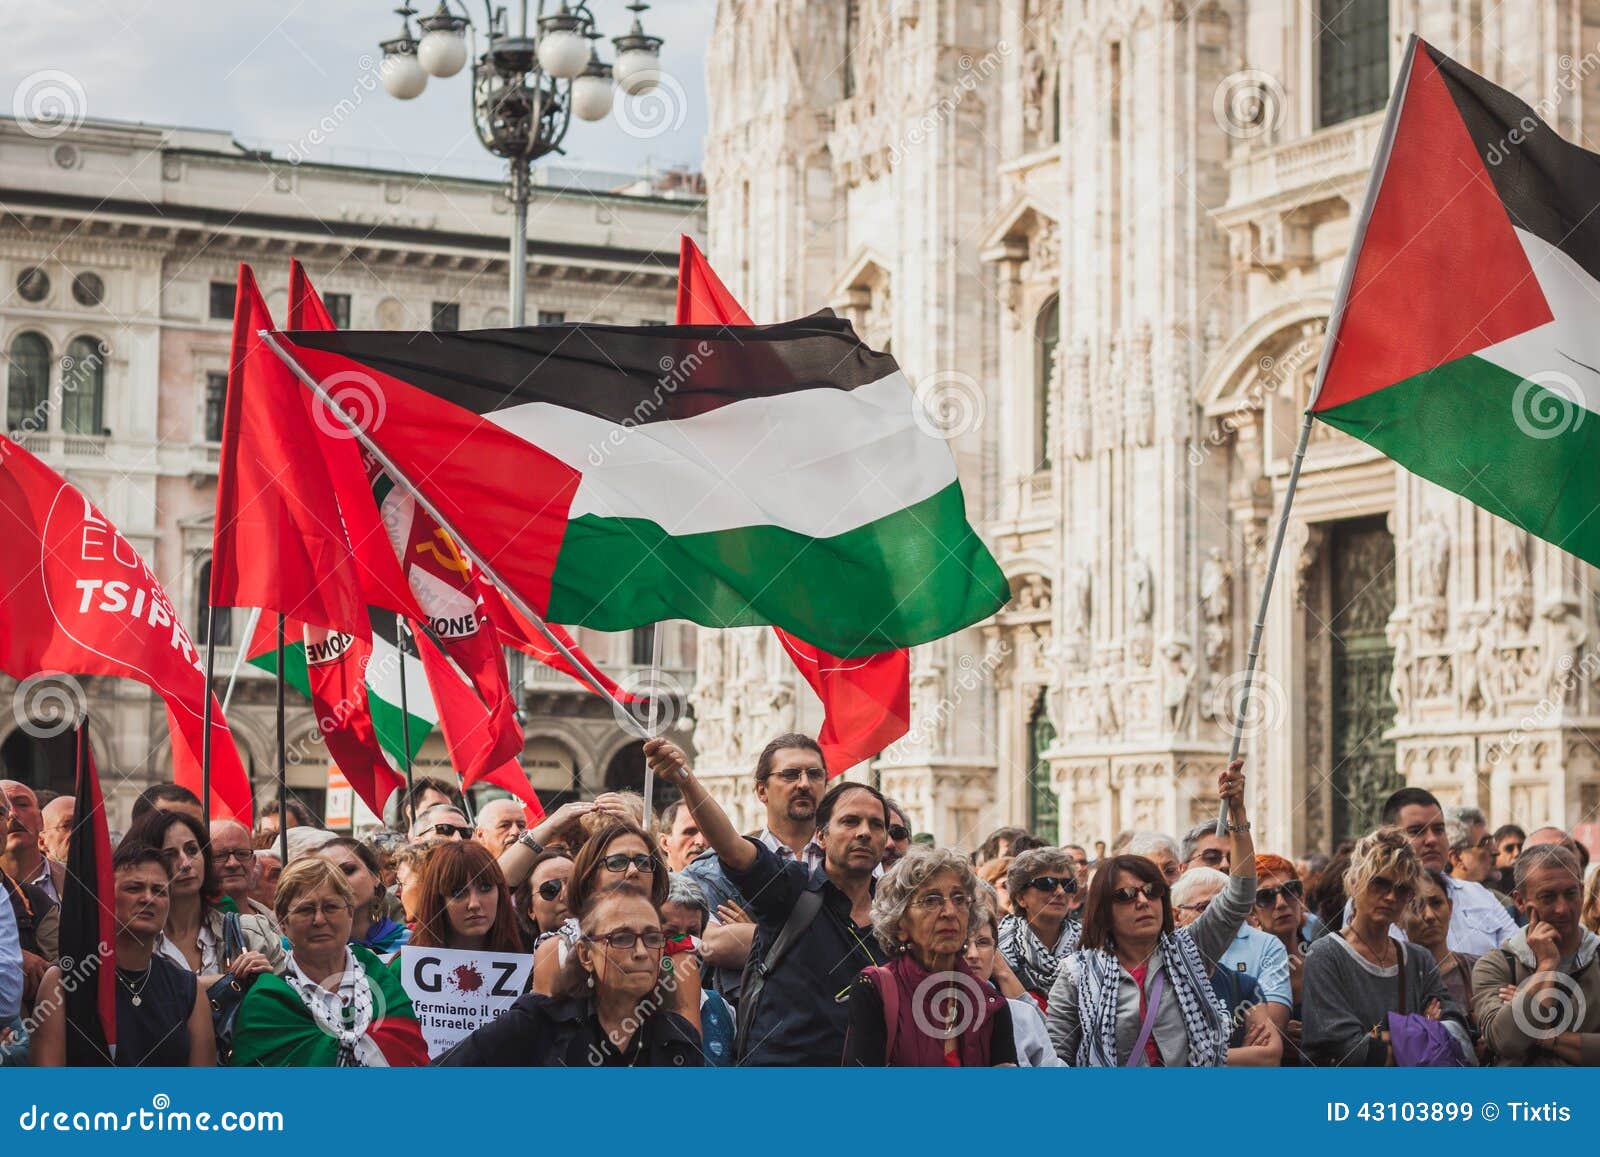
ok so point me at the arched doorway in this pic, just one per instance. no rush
(43, 763)
(625, 769)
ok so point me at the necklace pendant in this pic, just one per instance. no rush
(136, 1001)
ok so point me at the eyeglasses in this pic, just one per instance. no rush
(1195, 908)
(897, 832)
(619, 863)
(1385, 886)
(1268, 897)
(793, 774)
(243, 855)
(1417, 831)
(1051, 883)
(625, 940)
(550, 889)
(1211, 857)
(934, 901)
(448, 830)
(1151, 892)
(328, 909)
(1511, 849)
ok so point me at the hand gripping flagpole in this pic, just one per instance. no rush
(476, 557)
(1374, 183)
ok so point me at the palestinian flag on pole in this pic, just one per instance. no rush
(615, 476)
(1464, 343)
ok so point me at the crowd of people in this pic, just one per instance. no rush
(831, 936)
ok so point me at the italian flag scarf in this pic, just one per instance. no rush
(277, 1028)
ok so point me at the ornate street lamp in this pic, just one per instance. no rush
(525, 88)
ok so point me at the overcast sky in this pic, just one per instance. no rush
(269, 73)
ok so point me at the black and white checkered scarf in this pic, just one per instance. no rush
(1099, 979)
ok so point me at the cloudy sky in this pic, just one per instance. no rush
(270, 73)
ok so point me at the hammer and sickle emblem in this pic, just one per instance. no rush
(449, 558)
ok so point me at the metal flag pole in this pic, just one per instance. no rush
(476, 557)
(238, 656)
(205, 713)
(283, 756)
(1374, 183)
(400, 633)
(653, 720)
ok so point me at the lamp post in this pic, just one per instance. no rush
(526, 86)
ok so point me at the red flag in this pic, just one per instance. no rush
(279, 542)
(88, 920)
(516, 631)
(510, 777)
(477, 739)
(76, 597)
(336, 675)
(866, 702)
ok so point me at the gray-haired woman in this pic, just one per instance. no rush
(1041, 931)
(926, 1007)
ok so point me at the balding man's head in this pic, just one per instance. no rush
(235, 859)
(441, 816)
(57, 834)
(499, 824)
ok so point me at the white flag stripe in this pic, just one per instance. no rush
(1563, 355)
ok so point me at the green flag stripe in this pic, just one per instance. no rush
(911, 577)
(1510, 445)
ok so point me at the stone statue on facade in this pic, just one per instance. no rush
(1178, 694)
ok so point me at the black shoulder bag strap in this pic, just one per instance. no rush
(755, 974)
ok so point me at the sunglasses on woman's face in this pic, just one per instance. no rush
(619, 862)
(1268, 897)
(898, 833)
(550, 889)
(1151, 892)
(1383, 886)
(1051, 883)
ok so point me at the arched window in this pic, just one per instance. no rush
(1046, 336)
(202, 602)
(83, 380)
(28, 383)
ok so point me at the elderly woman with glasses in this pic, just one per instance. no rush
(1137, 990)
(1355, 979)
(615, 1019)
(1040, 930)
(335, 1004)
(926, 1007)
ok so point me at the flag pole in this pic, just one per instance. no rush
(283, 757)
(1380, 163)
(654, 718)
(205, 713)
(238, 656)
(400, 632)
(476, 558)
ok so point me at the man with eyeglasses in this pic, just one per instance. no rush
(1203, 848)
(234, 857)
(57, 834)
(1508, 841)
(1478, 923)
(1253, 953)
(442, 822)
(899, 835)
(820, 920)
(790, 778)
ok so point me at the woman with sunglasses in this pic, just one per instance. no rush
(465, 902)
(1355, 979)
(1280, 911)
(1137, 990)
(542, 898)
(1040, 931)
(615, 1019)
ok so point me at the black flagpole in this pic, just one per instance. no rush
(400, 633)
(205, 712)
(283, 758)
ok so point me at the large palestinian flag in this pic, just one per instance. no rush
(616, 476)
(1466, 343)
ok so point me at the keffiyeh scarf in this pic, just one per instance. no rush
(344, 1014)
(1099, 980)
(1035, 963)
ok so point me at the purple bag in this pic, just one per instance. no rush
(1417, 1041)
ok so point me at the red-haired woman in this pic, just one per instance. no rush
(465, 902)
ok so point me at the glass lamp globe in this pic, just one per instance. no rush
(637, 70)
(402, 76)
(442, 52)
(591, 96)
(563, 53)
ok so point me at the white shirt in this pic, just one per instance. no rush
(210, 965)
(10, 962)
(811, 855)
(45, 880)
